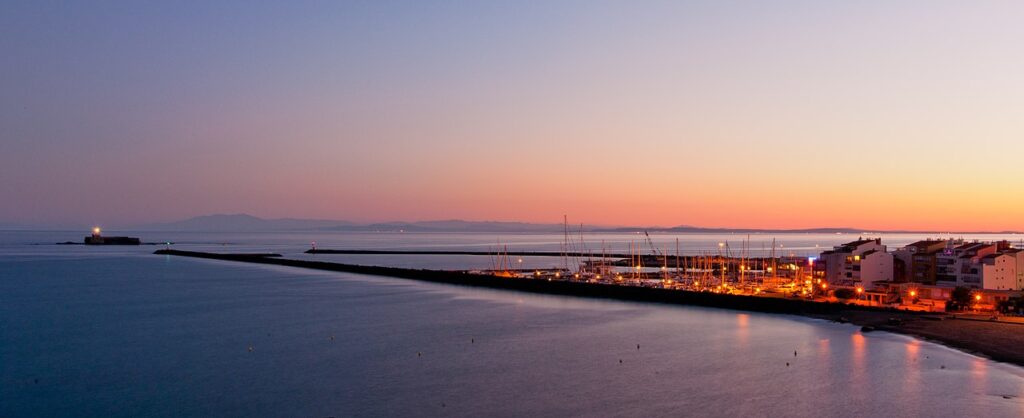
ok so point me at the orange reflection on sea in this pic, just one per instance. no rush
(742, 328)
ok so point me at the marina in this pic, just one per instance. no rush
(724, 271)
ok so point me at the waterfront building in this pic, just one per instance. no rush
(981, 265)
(918, 296)
(921, 297)
(937, 262)
(960, 265)
(97, 238)
(862, 262)
(919, 260)
(1003, 270)
(876, 266)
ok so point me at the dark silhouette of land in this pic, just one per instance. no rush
(249, 223)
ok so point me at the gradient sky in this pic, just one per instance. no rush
(719, 113)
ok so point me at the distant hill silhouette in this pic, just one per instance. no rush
(240, 223)
(461, 226)
(249, 223)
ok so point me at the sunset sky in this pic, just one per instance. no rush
(884, 115)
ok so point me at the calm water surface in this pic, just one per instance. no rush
(121, 332)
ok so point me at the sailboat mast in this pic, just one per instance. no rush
(565, 242)
(677, 256)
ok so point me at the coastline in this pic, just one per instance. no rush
(997, 341)
(994, 340)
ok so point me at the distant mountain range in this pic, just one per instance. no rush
(697, 229)
(249, 223)
(240, 223)
(460, 226)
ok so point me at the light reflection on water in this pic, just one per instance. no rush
(743, 332)
(121, 332)
(858, 378)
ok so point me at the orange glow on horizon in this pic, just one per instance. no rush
(703, 116)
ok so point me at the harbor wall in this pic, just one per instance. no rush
(554, 287)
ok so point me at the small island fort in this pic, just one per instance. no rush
(97, 238)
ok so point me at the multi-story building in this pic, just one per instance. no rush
(876, 266)
(919, 260)
(942, 264)
(999, 271)
(1003, 270)
(860, 262)
(1019, 254)
(959, 264)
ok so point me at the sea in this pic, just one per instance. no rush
(119, 331)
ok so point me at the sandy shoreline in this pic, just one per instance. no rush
(998, 341)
